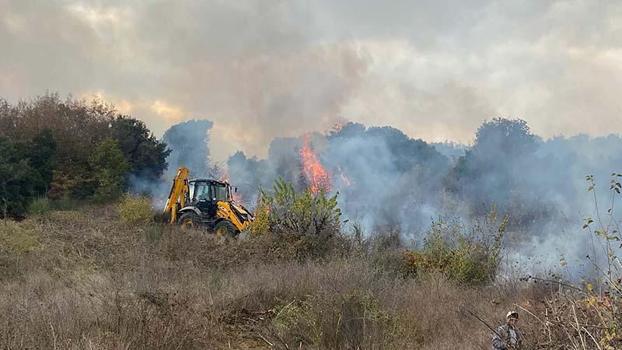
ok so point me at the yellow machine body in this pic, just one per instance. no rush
(178, 195)
(213, 208)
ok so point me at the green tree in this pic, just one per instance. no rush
(109, 169)
(55, 147)
(42, 159)
(145, 154)
(16, 187)
(486, 174)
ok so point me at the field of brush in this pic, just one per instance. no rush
(88, 279)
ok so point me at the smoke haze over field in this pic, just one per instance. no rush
(433, 69)
(387, 181)
(260, 74)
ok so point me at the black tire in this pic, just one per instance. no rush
(189, 220)
(225, 229)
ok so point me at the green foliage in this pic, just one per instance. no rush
(145, 154)
(42, 159)
(16, 187)
(300, 212)
(66, 204)
(54, 156)
(261, 224)
(39, 206)
(109, 168)
(470, 257)
(135, 210)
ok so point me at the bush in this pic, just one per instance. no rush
(471, 257)
(109, 169)
(39, 206)
(261, 224)
(300, 212)
(135, 210)
(66, 203)
(17, 238)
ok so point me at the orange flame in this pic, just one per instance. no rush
(318, 177)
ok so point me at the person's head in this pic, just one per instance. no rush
(512, 318)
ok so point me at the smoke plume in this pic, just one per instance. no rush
(389, 181)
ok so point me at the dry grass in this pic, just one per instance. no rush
(96, 283)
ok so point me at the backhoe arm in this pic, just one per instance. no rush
(177, 197)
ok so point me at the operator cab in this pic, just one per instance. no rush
(209, 190)
(205, 195)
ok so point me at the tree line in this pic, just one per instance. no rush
(71, 149)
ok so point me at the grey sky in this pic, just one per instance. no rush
(266, 68)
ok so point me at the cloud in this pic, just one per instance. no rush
(266, 68)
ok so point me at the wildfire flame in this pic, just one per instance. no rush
(316, 175)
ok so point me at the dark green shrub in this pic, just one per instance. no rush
(109, 169)
(39, 206)
(16, 174)
(145, 155)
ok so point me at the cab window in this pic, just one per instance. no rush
(220, 193)
(201, 191)
(191, 190)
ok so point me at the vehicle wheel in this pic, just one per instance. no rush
(225, 229)
(189, 220)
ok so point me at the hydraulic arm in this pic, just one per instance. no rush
(178, 195)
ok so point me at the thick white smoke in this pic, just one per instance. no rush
(387, 181)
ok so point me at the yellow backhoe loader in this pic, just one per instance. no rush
(205, 203)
